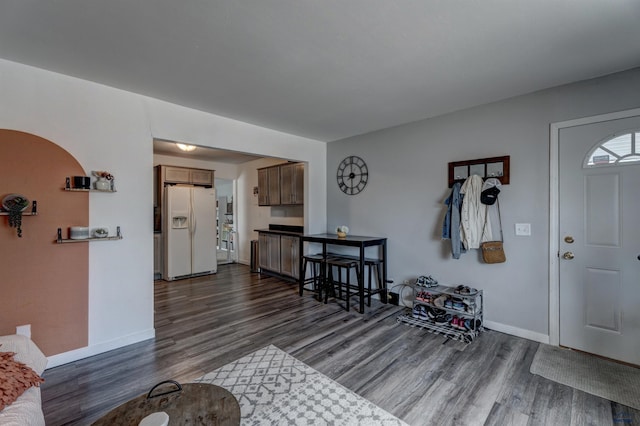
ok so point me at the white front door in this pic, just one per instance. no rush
(599, 240)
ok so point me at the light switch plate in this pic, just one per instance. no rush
(523, 229)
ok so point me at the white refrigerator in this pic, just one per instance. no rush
(189, 231)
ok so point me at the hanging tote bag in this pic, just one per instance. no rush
(493, 251)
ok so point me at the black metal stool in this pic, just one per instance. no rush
(372, 265)
(316, 261)
(346, 264)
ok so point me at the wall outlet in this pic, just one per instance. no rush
(24, 330)
(523, 229)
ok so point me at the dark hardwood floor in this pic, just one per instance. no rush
(206, 322)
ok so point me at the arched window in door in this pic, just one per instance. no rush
(618, 149)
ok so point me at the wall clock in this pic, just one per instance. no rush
(352, 175)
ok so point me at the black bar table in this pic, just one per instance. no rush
(350, 241)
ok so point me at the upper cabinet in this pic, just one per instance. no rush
(281, 185)
(172, 174)
(269, 186)
(292, 183)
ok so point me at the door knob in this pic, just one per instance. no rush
(568, 255)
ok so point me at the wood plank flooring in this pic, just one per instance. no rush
(206, 322)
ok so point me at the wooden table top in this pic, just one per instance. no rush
(196, 404)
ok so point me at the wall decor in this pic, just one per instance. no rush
(497, 167)
(352, 175)
(14, 206)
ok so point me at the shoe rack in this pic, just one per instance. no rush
(455, 312)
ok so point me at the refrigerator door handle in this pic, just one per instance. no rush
(192, 215)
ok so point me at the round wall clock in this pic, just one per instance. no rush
(352, 175)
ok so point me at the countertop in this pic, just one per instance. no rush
(275, 231)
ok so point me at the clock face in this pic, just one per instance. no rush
(352, 175)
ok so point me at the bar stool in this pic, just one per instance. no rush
(341, 263)
(316, 261)
(372, 265)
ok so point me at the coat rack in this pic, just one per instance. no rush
(496, 167)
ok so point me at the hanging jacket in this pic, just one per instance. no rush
(473, 213)
(451, 225)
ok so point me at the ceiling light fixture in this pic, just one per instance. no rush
(187, 148)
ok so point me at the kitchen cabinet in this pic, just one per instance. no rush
(172, 174)
(279, 254)
(281, 185)
(289, 256)
(269, 186)
(269, 252)
(292, 184)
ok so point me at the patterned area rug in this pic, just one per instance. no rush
(588, 373)
(274, 388)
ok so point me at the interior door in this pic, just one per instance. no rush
(599, 209)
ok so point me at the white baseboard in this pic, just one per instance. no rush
(518, 332)
(87, 351)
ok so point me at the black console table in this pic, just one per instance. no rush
(349, 241)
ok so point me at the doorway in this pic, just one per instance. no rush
(595, 243)
(227, 241)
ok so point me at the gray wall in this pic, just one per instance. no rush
(408, 183)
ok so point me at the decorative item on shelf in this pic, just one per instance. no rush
(81, 182)
(342, 231)
(100, 232)
(104, 182)
(78, 232)
(15, 204)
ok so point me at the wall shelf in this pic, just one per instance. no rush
(33, 212)
(88, 190)
(3, 213)
(61, 240)
(84, 240)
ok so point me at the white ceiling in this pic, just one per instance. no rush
(325, 69)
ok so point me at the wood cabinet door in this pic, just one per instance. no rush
(202, 177)
(263, 187)
(298, 183)
(274, 185)
(263, 251)
(286, 184)
(292, 184)
(289, 259)
(273, 248)
(176, 175)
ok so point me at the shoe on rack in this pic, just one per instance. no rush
(431, 282)
(455, 322)
(468, 291)
(417, 311)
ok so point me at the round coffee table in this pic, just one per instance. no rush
(191, 403)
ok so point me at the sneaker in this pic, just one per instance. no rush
(417, 311)
(468, 291)
(455, 322)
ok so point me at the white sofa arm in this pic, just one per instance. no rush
(27, 409)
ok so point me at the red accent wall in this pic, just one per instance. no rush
(43, 283)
